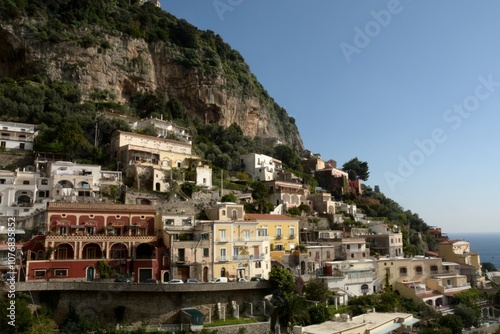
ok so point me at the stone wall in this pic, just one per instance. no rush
(16, 159)
(147, 303)
(255, 328)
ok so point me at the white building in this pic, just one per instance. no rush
(17, 136)
(261, 167)
(349, 278)
(165, 129)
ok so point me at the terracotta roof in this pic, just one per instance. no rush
(449, 242)
(259, 216)
(101, 207)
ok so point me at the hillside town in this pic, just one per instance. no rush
(78, 223)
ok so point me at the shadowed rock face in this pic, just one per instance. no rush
(127, 66)
(13, 61)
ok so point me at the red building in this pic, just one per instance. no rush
(80, 236)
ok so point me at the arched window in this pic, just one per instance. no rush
(223, 272)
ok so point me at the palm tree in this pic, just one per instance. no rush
(289, 310)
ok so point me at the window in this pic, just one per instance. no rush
(223, 212)
(2, 144)
(40, 273)
(247, 235)
(89, 230)
(45, 182)
(222, 235)
(223, 254)
(292, 232)
(279, 247)
(181, 257)
(26, 182)
(206, 252)
(63, 230)
(258, 264)
(60, 272)
(22, 146)
(205, 236)
(328, 257)
(234, 215)
(278, 231)
(262, 232)
(2, 181)
(62, 254)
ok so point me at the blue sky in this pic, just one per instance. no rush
(411, 87)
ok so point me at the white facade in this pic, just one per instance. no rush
(17, 136)
(165, 129)
(261, 167)
(204, 176)
(350, 278)
(19, 192)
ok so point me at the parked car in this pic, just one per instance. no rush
(122, 280)
(175, 281)
(219, 280)
(241, 280)
(257, 279)
(192, 280)
(150, 281)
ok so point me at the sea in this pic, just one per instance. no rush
(486, 244)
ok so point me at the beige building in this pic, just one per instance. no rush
(189, 246)
(459, 251)
(421, 278)
(145, 157)
(369, 323)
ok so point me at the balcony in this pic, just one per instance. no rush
(221, 240)
(222, 259)
(101, 237)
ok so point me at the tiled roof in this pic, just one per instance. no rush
(101, 207)
(259, 216)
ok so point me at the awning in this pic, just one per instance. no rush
(386, 329)
(410, 322)
(78, 227)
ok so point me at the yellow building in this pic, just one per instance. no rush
(240, 250)
(283, 231)
(459, 251)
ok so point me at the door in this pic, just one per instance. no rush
(90, 274)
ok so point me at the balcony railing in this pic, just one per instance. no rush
(222, 259)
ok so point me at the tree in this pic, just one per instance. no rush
(488, 267)
(317, 290)
(229, 198)
(259, 194)
(468, 315)
(356, 169)
(319, 314)
(452, 322)
(282, 280)
(289, 310)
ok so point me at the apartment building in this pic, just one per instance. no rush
(283, 231)
(189, 248)
(261, 167)
(147, 159)
(17, 136)
(81, 235)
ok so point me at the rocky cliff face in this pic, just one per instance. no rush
(125, 65)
